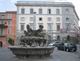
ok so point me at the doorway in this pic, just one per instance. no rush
(0, 44)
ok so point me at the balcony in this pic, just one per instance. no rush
(3, 26)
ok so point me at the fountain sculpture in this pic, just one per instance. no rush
(33, 42)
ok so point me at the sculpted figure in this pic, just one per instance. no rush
(31, 32)
(28, 28)
(40, 28)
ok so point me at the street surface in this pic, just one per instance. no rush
(6, 55)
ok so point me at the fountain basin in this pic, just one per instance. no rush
(31, 51)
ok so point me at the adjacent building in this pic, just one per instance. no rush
(7, 27)
(58, 18)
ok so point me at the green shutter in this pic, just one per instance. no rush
(1, 32)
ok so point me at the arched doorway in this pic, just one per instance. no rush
(1, 44)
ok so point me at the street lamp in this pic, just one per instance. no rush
(34, 22)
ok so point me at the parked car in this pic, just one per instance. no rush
(54, 43)
(60, 46)
(70, 47)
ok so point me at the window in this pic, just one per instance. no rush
(22, 11)
(31, 25)
(58, 11)
(9, 26)
(49, 11)
(9, 29)
(9, 23)
(22, 18)
(58, 18)
(49, 27)
(68, 26)
(40, 19)
(49, 18)
(40, 11)
(3, 16)
(58, 26)
(67, 10)
(31, 18)
(2, 22)
(22, 26)
(9, 16)
(67, 19)
(31, 11)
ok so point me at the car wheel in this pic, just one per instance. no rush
(73, 50)
(67, 50)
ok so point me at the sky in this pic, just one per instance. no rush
(9, 5)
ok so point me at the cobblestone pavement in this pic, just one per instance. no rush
(6, 55)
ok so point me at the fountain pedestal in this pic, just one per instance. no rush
(31, 51)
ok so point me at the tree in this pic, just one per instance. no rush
(10, 41)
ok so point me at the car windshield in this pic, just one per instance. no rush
(68, 44)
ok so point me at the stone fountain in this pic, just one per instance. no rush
(33, 43)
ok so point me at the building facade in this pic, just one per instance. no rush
(58, 18)
(7, 27)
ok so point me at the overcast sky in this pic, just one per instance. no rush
(8, 5)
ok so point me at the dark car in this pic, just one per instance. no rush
(67, 47)
(70, 47)
(60, 46)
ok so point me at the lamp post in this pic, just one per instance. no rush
(34, 22)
